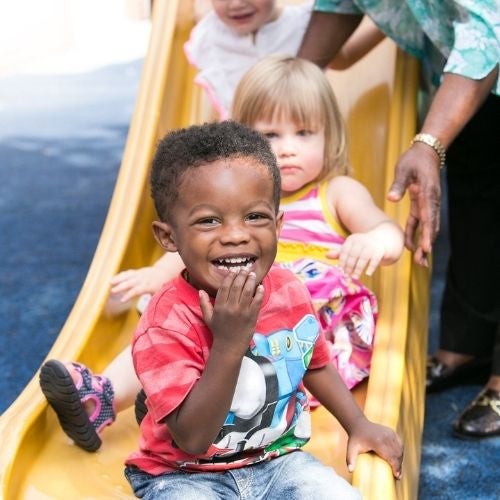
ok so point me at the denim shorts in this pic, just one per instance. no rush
(297, 475)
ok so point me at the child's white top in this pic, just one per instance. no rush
(222, 56)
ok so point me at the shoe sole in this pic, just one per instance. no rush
(474, 437)
(59, 389)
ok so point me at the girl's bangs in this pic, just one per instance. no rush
(291, 100)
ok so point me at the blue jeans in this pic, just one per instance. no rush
(297, 475)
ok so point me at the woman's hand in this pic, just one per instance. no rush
(418, 171)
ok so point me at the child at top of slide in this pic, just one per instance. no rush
(235, 34)
(232, 36)
(225, 350)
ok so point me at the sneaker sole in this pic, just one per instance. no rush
(59, 389)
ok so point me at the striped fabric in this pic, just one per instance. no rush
(308, 227)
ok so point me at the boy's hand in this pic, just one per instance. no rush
(233, 316)
(136, 282)
(360, 251)
(368, 436)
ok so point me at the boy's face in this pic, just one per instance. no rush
(224, 218)
(245, 16)
(298, 149)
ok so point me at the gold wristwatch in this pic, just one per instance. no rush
(434, 143)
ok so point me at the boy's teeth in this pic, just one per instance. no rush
(234, 263)
(233, 260)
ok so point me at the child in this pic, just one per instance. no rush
(225, 349)
(328, 215)
(233, 36)
(347, 309)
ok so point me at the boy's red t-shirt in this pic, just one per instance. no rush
(269, 415)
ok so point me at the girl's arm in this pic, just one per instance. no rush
(364, 39)
(132, 283)
(375, 238)
(364, 436)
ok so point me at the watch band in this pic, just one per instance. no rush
(434, 143)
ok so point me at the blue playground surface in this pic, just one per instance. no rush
(61, 142)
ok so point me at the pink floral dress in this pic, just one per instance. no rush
(347, 309)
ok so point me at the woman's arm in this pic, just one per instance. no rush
(455, 103)
(364, 39)
(325, 35)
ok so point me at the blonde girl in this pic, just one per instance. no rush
(332, 230)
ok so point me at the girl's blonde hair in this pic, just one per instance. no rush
(297, 89)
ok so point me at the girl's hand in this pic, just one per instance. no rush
(233, 316)
(367, 436)
(136, 282)
(360, 251)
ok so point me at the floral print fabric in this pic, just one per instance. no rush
(461, 36)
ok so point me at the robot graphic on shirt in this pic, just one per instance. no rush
(268, 401)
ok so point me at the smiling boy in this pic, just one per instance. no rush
(225, 350)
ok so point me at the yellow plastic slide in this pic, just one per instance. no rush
(378, 98)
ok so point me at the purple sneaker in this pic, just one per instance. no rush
(68, 399)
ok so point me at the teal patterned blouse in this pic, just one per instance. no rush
(461, 36)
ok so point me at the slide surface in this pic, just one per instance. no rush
(378, 99)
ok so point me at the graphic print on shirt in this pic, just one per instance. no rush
(269, 406)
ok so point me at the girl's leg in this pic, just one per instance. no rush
(86, 403)
(122, 376)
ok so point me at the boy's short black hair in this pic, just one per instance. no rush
(198, 145)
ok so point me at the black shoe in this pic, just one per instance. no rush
(140, 407)
(481, 418)
(440, 377)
